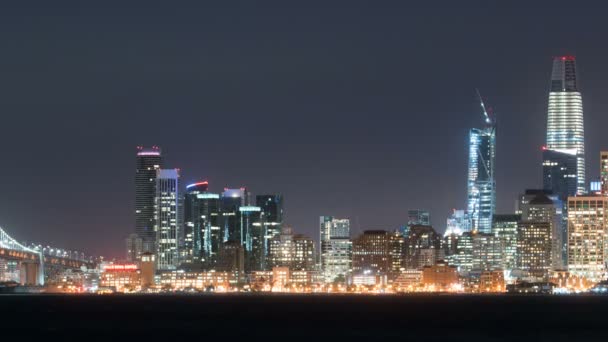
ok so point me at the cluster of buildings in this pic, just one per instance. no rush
(555, 238)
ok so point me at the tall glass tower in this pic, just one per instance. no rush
(166, 219)
(481, 185)
(148, 161)
(565, 131)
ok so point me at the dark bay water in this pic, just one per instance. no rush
(312, 317)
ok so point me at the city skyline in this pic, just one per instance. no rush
(326, 104)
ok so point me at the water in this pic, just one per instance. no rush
(306, 317)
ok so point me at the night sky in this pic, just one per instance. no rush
(354, 109)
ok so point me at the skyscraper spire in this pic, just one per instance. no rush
(565, 129)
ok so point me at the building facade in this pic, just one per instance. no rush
(148, 161)
(377, 252)
(335, 248)
(295, 251)
(272, 213)
(586, 237)
(565, 129)
(534, 258)
(481, 184)
(192, 249)
(166, 219)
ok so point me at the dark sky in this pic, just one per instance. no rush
(354, 109)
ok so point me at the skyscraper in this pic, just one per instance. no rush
(565, 130)
(587, 255)
(272, 212)
(335, 248)
(559, 173)
(230, 222)
(166, 219)
(148, 160)
(192, 251)
(481, 185)
(604, 172)
(253, 237)
(373, 252)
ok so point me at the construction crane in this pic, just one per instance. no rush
(483, 107)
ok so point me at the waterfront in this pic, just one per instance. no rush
(308, 317)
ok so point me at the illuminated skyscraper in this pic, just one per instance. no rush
(604, 172)
(336, 248)
(195, 217)
(565, 131)
(148, 161)
(253, 233)
(166, 219)
(559, 173)
(587, 237)
(230, 221)
(272, 212)
(481, 185)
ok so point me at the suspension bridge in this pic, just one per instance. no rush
(33, 261)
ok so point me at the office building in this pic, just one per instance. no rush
(587, 237)
(254, 239)
(335, 248)
(148, 161)
(416, 217)
(423, 247)
(560, 172)
(166, 219)
(230, 221)
(231, 259)
(192, 249)
(272, 213)
(534, 241)
(481, 185)
(295, 251)
(541, 206)
(377, 252)
(505, 229)
(604, 172)
(134, 247)
(488, 253)
(565, 129)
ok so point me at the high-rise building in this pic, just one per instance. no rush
(192, 250)
(604, 172)
(272, 212)
(481, 185)
(166, 219)
(295, 251)
(505, 229)
(559, 172)
(148, 161)
(541, 206)
(560, 179)
(459, 251)
(458, 223)
(134, 246)
(586, 237)
(335, 248)
(378, 252)
(423, 247)
(417, 217)
(534, 242)
(230, 221)
(254, 238)
(231, 258)
(565, 129)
